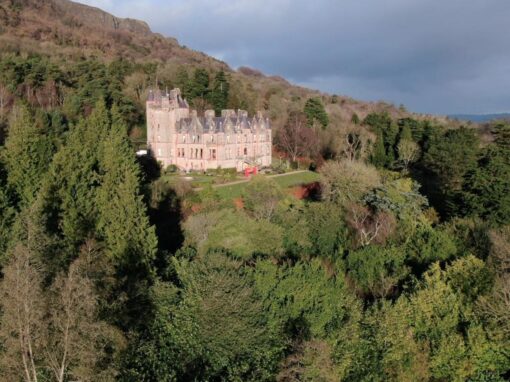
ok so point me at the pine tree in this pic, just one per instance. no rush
(378, 156)
(183, 82)
(315, 112)
(200, 84)
(220, 92)
(73, 178)
(487, 188)
(28, 152)
(122, 218)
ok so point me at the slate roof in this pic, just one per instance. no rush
(221, 124)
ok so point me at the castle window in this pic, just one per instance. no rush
(245, 151)
(194, 138)
(159, 152)
(214, 154)
(184, 139)
(201, 153)
(228, 138)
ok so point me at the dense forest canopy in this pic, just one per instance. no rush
(397, 270)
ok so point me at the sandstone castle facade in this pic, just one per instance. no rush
(177, 136)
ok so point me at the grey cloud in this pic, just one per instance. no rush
(446, 56)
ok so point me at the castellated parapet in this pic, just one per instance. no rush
(176, 135)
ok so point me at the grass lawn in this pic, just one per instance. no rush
(284, 181)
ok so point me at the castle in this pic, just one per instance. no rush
(177, 136)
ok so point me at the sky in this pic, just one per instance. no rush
(433, 56)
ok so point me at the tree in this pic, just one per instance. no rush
(122, 219)
(378, 156)
(23, 316)
(211, 327)
(296, 138)
(369, 226)
(235, 232)
(448, 157)
(261, 198)
(27, 155)
(315, 112)
(486, 189)
(200, 84)
(377, 271)
(408, 152)
(347, 180)
(349, 141)
(73, 343)
(220, 92)
(54, 330)
(183, 82)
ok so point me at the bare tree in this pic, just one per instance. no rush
(352, 142)
(4, 99)
(57, 330)
(23, 311)
(369, 226)
(496, 306)
(296, 138)
(71, 340)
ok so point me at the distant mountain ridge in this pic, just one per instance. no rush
(480, 118)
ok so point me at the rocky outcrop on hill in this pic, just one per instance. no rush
(93, 17)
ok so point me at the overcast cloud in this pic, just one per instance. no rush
(434, 56)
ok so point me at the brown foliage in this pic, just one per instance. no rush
(370, 226)
(296, 139)
(22, 326)
(55, 329)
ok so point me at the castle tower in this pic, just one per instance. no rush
(164, 111)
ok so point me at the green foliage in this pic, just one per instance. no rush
(235, 232)
(449, 158)
(378, 155)
(377, 271)
(211, 327)
(122, 219)
(27, 154)
(220, 92)
(486, 188)
(327, 231)
(261, 197)
(428, 245)
(263, 292)
(200, 84)
(387, 138)
(315, 112)
(304, 301)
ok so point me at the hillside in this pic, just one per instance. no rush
(71, 30)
